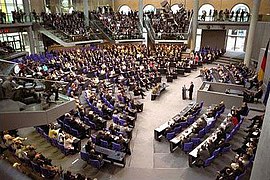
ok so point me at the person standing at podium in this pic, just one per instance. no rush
(191, 88)
(184, 89)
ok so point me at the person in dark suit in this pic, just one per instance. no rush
(203, 154)
(191, 88)
(89, 146)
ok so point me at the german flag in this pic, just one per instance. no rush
(263, 65)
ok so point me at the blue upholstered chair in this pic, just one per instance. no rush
(216, 152)
(96, 163)
(116, 146)
(170, 135)
(187, 147)
(196, 141)
(201, 133)
(84, 156)
(191, 120)
(226, 149)
(122, 122)
(208, 161)
(177, 129)
(207, 129)
(183, 124)
(104, 143)
(115, 119)
(36, 167)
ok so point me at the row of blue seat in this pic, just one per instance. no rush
(183, 125)
(228, 138)
(194, 142)
(105, 144)
(93, 162)
(54, 142)
(69, 129)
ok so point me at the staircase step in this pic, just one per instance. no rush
(231, 59)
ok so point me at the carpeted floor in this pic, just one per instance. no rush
(150, 159)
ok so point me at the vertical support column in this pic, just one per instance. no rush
(246, 37)
(36, 41)
(260, 169)
(252, 29)
(194, 24)
(113, 5)
(85, 11)
(26, 10)
(226, 39)
(141, 12)
(31, 39)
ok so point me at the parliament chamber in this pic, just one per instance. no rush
(134, 89)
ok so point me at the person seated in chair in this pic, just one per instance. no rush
(249, 95)
(99, 136)
(93, 155)
(202, 155)
(244, 109)
(107, 137)
(256, 120)
(68, 142)
(89, 146)
(138, 92)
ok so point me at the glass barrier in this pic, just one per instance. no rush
(224, 18)
(171, 36)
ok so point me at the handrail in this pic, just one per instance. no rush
(190, 24)
(148, 26)
(101, 29)
(97, 18)
(151, 28)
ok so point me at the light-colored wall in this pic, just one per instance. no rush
(217, 94)
(218, 4)
(38, 6)
(262, 36)
(260, 168)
